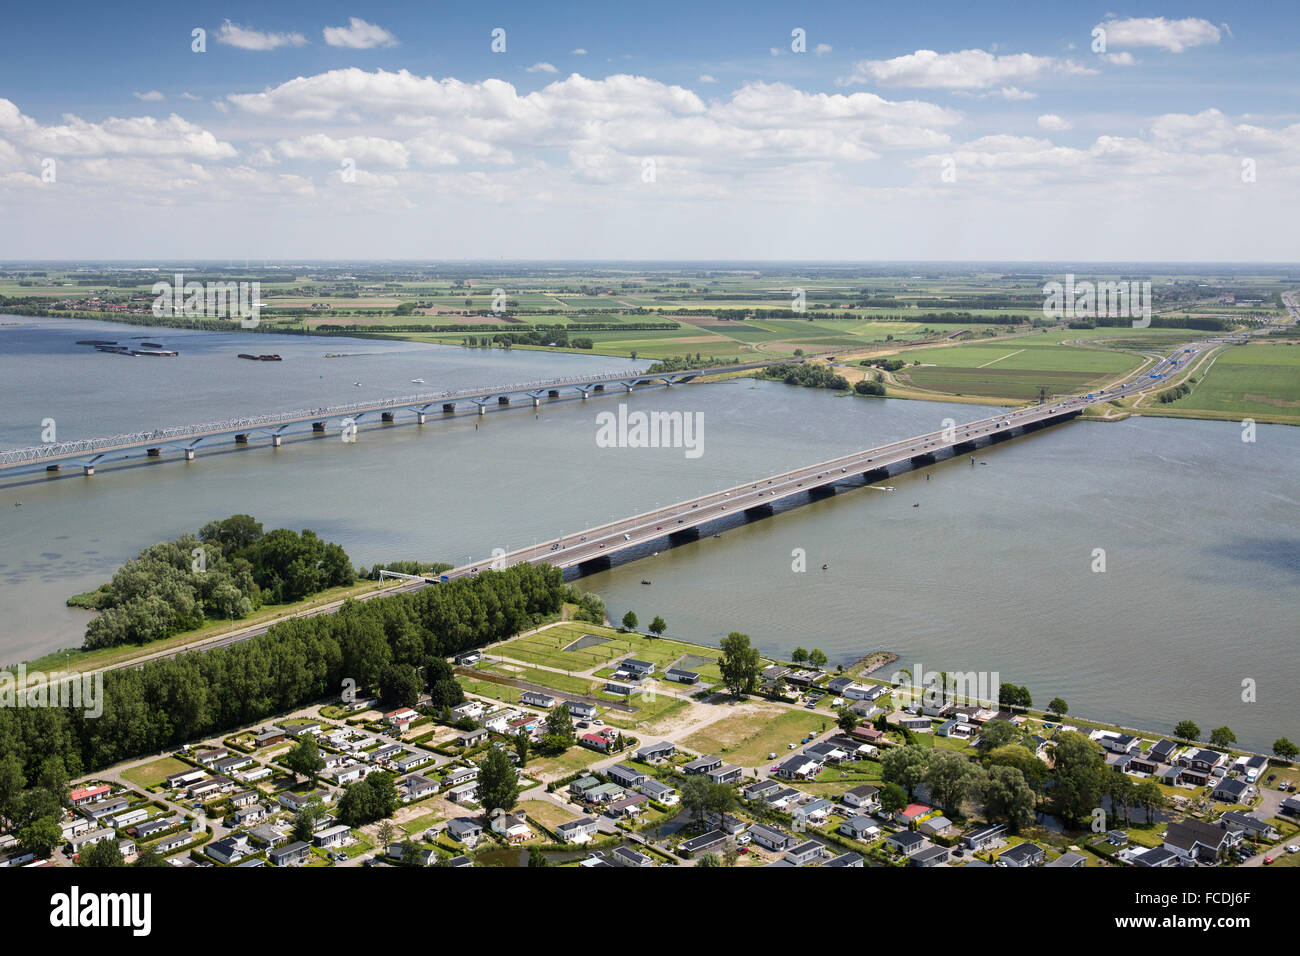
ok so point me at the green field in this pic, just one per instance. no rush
(747, 740)
(155, 772)
(1261, 381)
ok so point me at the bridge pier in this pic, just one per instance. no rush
(920, 461)
(685, 534)
(318, 426)
(874, 475)
(586, 394)
(598, 388)
(758, 511)
(537, 402)
(53, 467)
(822, 491)
(241, 439)
(963, 447)
(276, 439)
(189, 454)
(87, 470)
(503, 399)
(553, 393)
(419, 418)
(153, 452)
(386, 417)
(448, 407)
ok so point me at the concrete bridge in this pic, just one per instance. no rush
(186, 440)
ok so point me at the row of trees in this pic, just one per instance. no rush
(163, 703)
(806, 375)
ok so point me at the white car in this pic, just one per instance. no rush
(1292, 848)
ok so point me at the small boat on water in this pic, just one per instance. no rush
(645, 582)
(114, 349)
(260, 358)
(96, 341)
(156, 353)
(152, 345)
(417, 381)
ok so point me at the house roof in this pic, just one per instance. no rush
(914, 810)
(1187, 833)
(1022, 851)
(906, 839)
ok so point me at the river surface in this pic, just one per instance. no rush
(992, 572)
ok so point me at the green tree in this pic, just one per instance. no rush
(739, 664)
(629, 621)
(522, 745)
(904, 766)
(1150, 798)
(559, 725)
(498, 784)
(798, 655)
(1022, 758)
(1187, 730)
(709, 859)
(950, 778)
(1007, 797)
(892, 798)
(41, 836)
(816, 658)
(105, 853)
(304, 822)
(1058, 706)
(536, 857)
(998, 733)
(1285, 749)
(658, 626)
(1222, 737)
(848, 721)
(304, 758)
(1079, 777)
(400, 685)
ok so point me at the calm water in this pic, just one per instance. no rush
(992, 572)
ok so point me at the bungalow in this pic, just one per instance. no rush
(931, 856)
(464, 830)
(1069, 860)
(294, 802)
(231, 764)
(269, 738)
(827, 752)
(799, 767)
(466, 658)
(403, 715)
(89, 794)
(782, 797)
(512, 826)
(174, 842)
(916, 724)
(660, 792)
(1254, 765)
(341, 776)
(703, 764)
(774, 672)
(458, 775)
(580, 709)
(107, 808)
(583, 785)
(577, 831)
(935, 826)
(244, 798)
(712, 840)
(126, 846)
(867, 734)
(1249, 825)
(758, 788)
(1233, 791)
(810, 851)
(291, 854)
(802, 678)
(627, 806)
(907, 842)
(230, 850)
(1022, 855)
(146, 830)
(1152, 856)
(956, 727)
(626, 856)
(605, 793)
(83, 840)
(770, 837)
(1118, 743)
(726, 773)
(413, 759)
(535, 698)
(257, 773)
(859, 828)
(67, 829)
(416, 787)
(185, 778)
(847, 859)
(619, 690)
(1290, 807)
(597, 742)
(1204, 760)
(1141, 763)
(332, 836)
(813, 812)
(267, 834)
(838, 685)
(911, 813)
(863, 797)
(1162, 750)
(126, 818)
(626, 776)
(680, 676)
(209, 757)
(247, 815)
(656, 753)
(985, 837)
(386, 752)
(1199, 842)
(311, 728)
(473, 709)
(465, 793)
(637, 668)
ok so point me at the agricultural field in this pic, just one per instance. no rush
(1261, 381)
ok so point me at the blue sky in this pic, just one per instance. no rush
(663, 130)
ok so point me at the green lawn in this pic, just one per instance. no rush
(153, 773)
(747, 740)
(1258, 380)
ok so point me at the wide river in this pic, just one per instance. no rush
(985, 567)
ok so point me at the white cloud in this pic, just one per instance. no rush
(358, 35)
(707, 78)
(1118, 59)
(1053, 123)
(578, 52)
(373, 150)
(133, 136)
(232, 34)
(964, 70)
(542, 68)
(1014, 93)
(188, 96)
(822, 48)
(1172, 35)
(153, 96)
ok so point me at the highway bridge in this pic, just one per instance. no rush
(185, 440)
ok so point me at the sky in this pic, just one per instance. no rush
(790, 131)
